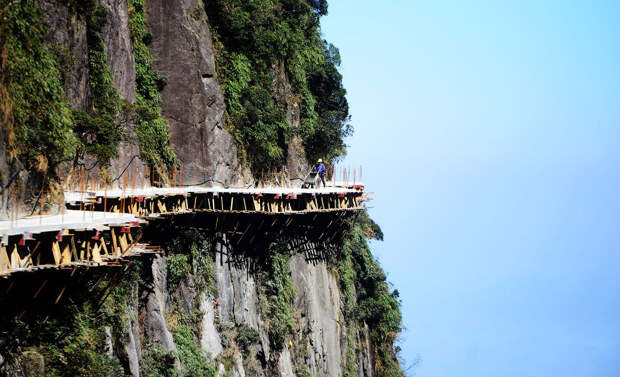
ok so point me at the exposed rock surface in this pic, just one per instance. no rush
(192, 99)
(155, 325)
(117, 40)
(209, 338)
(318, 296)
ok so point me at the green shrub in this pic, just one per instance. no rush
(246, 337)
(257, 41)
(178, 268)
(190, 355)
(367, 295)
(276, 293)
(36, 116)
(157, 362)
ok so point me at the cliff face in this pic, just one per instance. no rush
(192, 100)
(203, 308)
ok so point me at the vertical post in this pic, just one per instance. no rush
(105, 200)
(12, 204)
(41, 203)
(63, 207)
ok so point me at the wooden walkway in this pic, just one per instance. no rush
(172, 201)
(101, 228)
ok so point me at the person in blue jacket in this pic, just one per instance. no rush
(320, 168)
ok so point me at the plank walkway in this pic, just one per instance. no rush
(100, 228)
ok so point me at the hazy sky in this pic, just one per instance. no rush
(490, 133)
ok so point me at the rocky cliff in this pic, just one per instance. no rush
(177, 87)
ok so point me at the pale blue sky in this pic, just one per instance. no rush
(490, 132)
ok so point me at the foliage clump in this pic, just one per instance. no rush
(158, 362)
(190, 355)
(245, 338)
(258, 41)
(40, 127)
(98, 130)
(276, 292)
(367, 295)
(35, 114)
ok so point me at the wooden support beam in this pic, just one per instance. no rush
(28, 259)
(122, 240)
(56, 252)
(40, 289)
(96, 254)
(74, 249)
(104, 246)
(244, 232)
(5, 262)
(114, 242)
(16, 261)
(65, 257)
(161, 206)
(60, 294)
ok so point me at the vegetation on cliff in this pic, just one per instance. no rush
(40, 127)
(255, 40)
(151, 129)
(36, 117)
(367, 295)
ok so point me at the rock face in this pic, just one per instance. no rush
(117, 40)
(192, 99)
(317, 347)
(155, 325)
(318, 297)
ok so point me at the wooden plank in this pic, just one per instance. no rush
(56, 252)
(82, 250)
(96, 254)
(60, 294)
(5, 263)
(74, 249)
(104, 247)
(161, 206)
(123, 242)
(114, 242)
(65, 257)
(40, 288)
(16, 261)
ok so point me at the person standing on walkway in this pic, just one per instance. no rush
(320, 168)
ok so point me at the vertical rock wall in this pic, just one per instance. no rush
(192, 99)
